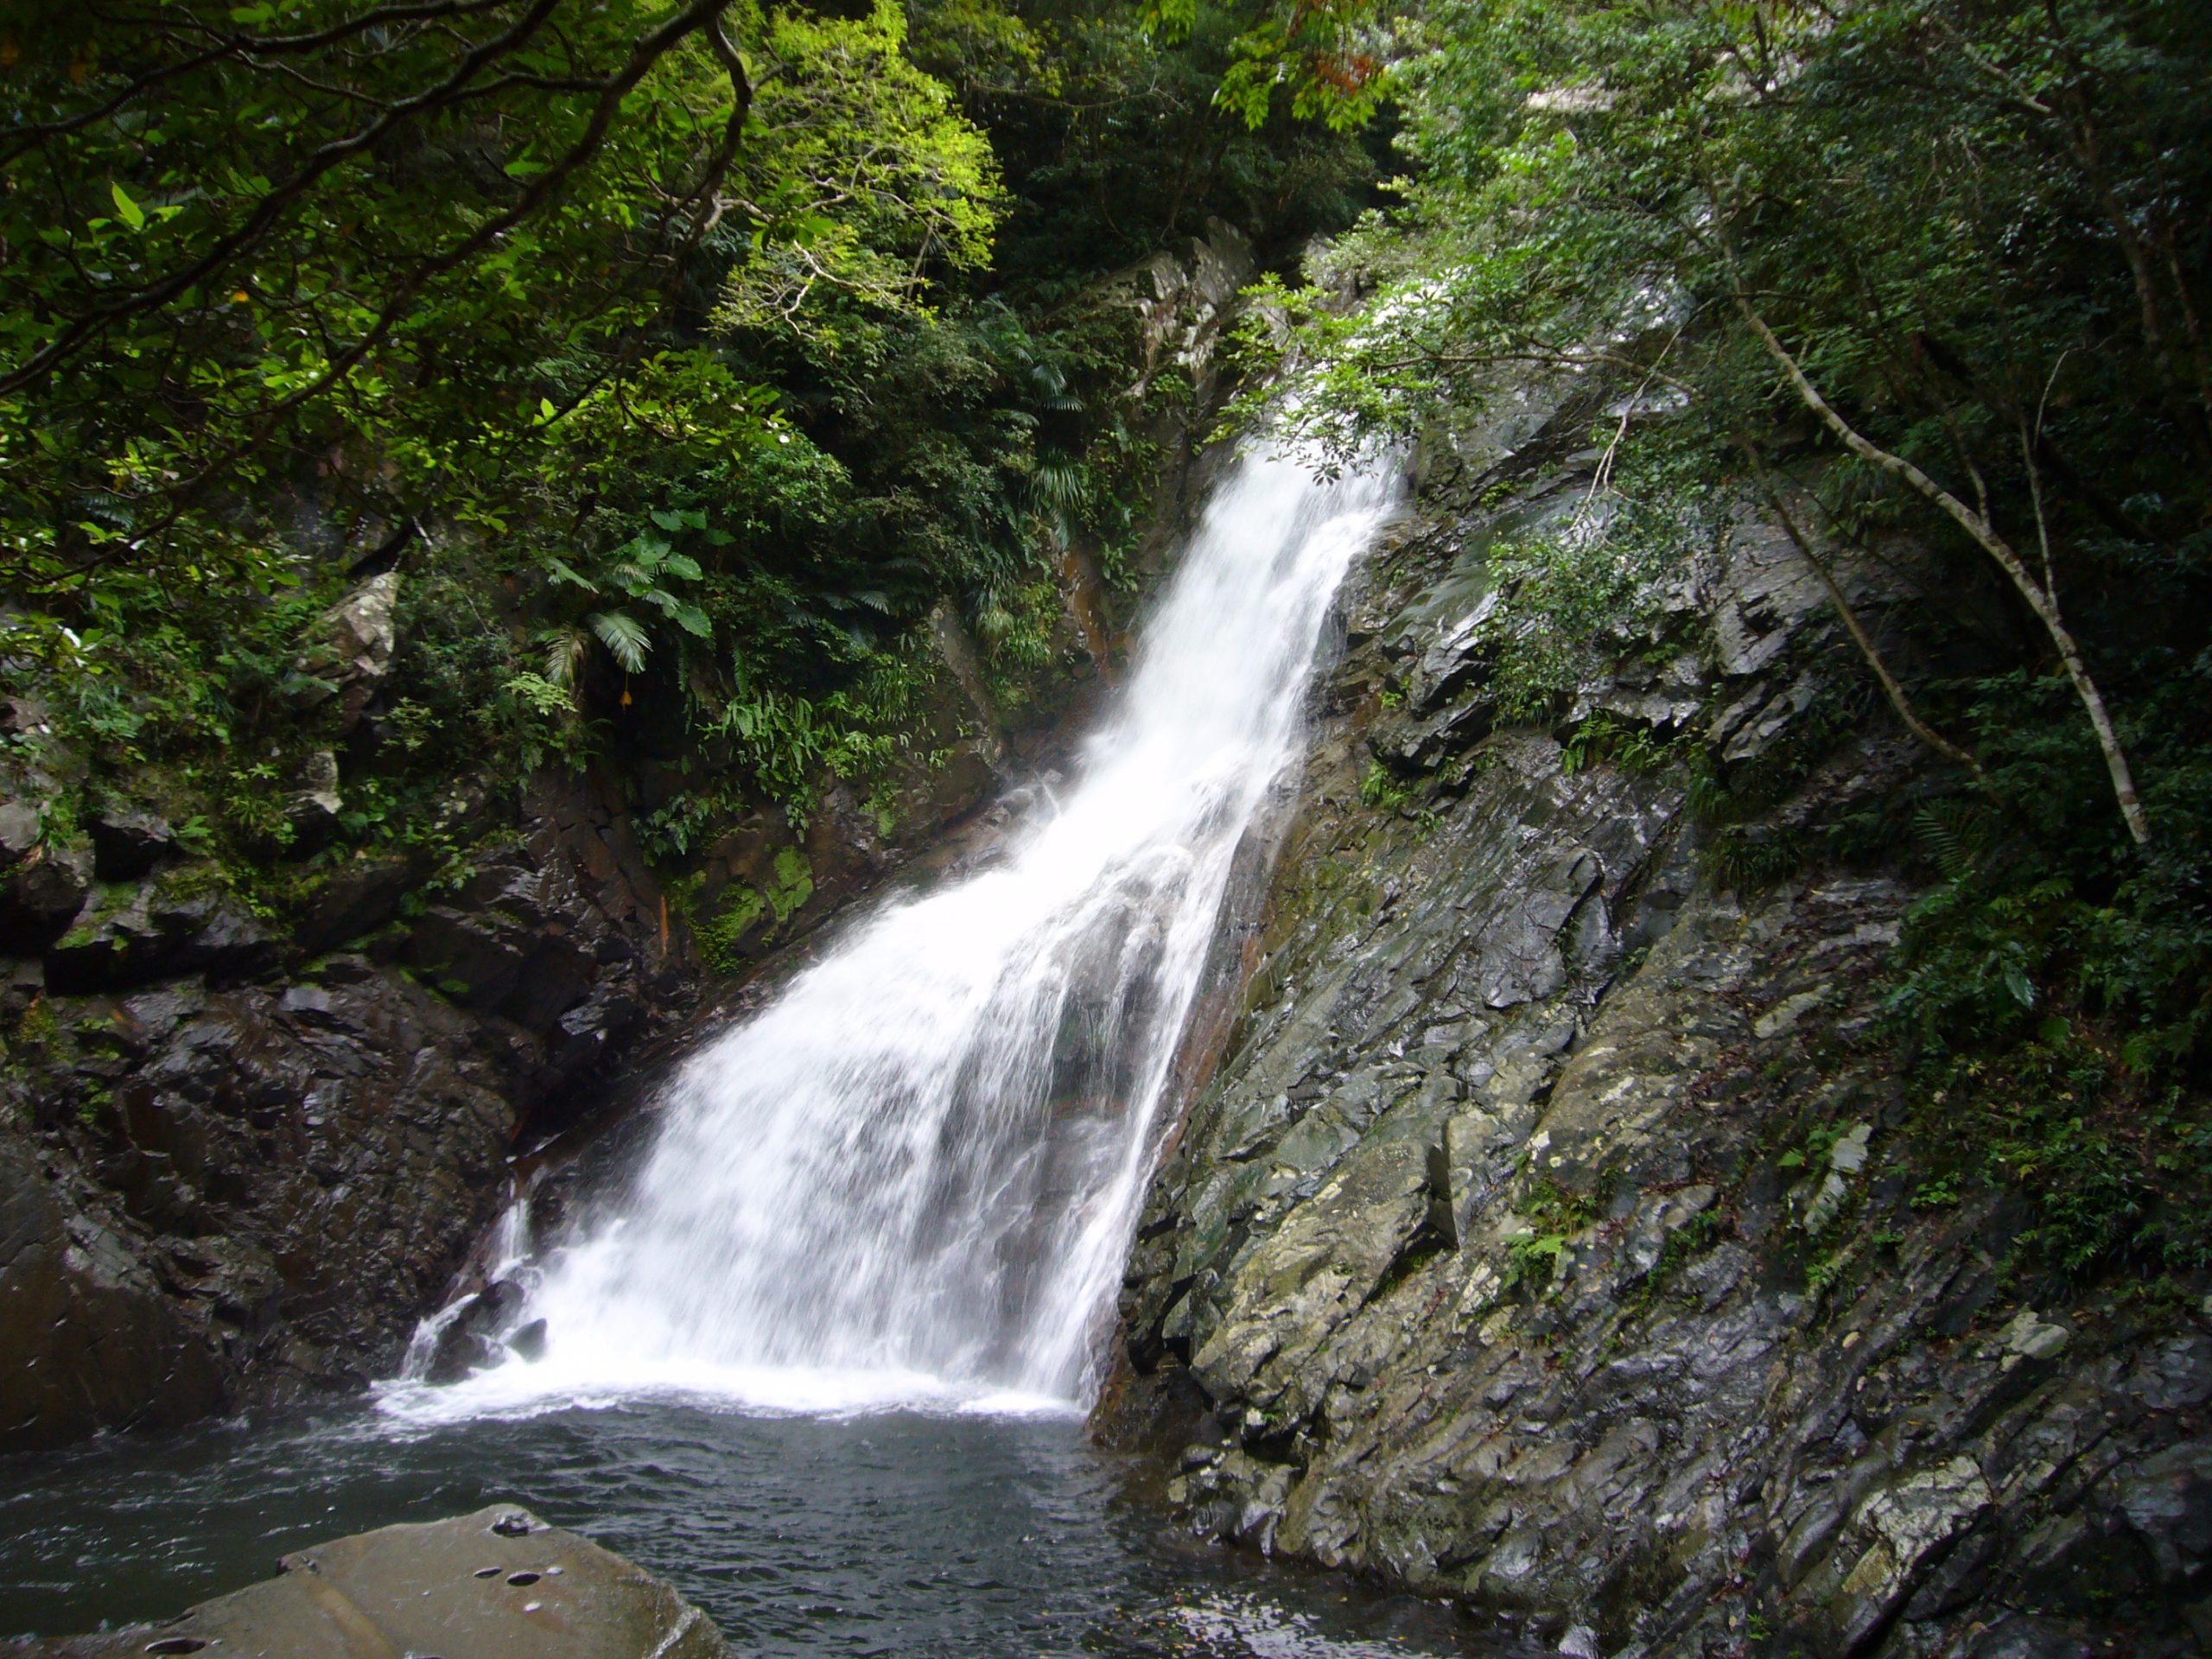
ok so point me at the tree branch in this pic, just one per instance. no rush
(1985, 536)
(1890, 689)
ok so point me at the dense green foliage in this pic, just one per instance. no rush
(681, 356)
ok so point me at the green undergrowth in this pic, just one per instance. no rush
(728, 932)
(2111, 1165)
(1555, 1216)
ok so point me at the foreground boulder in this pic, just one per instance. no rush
(499, 1584)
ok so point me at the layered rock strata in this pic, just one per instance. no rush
(1546, 1236)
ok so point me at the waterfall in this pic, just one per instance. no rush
(915, 1175)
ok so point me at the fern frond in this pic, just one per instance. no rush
(1957, 836)
(564, 654)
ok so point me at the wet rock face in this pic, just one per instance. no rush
(1517, 1249)
(90, 1340)
(499, 1584)
(231, 1172)
(128, 843)
(285, 1173)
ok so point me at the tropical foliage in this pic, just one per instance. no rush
(681, 356)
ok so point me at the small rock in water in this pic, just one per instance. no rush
(470, 1342)
(529, 1343)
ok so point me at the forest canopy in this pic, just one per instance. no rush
(1927, 280)
(685, 355)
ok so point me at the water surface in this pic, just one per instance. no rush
(899, 1534)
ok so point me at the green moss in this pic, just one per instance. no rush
(792, 884)
(718, 930)
(716, 935)
(95, 1104)
(38, 1029)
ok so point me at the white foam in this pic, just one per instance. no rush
(910, 1180)
(519, 1390)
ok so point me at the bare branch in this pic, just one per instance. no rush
(1890, 689)
(1985, 536)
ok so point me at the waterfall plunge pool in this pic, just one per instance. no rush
(893, 1534)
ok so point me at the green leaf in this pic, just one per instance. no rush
(624, 636)
(133, 215)
(692, 619)
(564, 654)
(682, 565)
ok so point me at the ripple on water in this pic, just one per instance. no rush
(891, 1532)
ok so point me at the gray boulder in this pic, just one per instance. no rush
(360, 634)
(21, 830)
(44, 895)
(499, 1584)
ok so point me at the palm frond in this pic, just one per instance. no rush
(564, 654)
(1957, 836)
(624, 636)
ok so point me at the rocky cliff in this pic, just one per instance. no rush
(241, 1157)
(1557, 1227)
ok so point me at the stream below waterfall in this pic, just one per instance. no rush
(895, 1534)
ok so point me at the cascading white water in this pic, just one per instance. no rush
(915, 1175)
